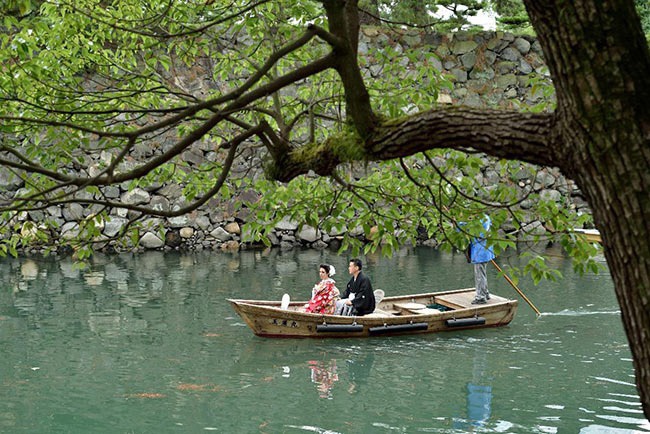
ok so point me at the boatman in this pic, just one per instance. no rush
(480, 254)
(358, 298)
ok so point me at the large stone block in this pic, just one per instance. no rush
(151, 241)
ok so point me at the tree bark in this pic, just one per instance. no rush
(599, 61)
(343, 18)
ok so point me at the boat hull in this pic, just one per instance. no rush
(399, 315)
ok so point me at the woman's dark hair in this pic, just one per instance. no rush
(325, 267)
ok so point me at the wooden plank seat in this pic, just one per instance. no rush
(456, 300)
(379, 313)
(426, 311)
(417, 308)
(463, 300)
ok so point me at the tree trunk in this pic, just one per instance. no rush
(622, 216)
(599, 61)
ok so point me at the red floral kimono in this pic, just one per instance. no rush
(323, 299)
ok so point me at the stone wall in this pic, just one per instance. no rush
(489, 69)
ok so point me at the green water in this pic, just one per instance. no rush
(147, 344)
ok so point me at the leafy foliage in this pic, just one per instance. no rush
(440, 15)
(643, 8)
(380, 207)
(87, 91)
(512, 16)
(445, 16)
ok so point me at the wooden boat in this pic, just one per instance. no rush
(592, 235)
(405, 314)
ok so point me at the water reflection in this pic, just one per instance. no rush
(479, 393)
(29, 270)
(110, 291)
(359, 372)
(479, 396)
(324, 375)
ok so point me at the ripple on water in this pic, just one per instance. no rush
(601, 429)
(570, 312)
(310, 428)
(620, 413)
(611, 380)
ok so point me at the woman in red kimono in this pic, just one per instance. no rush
(325, 292)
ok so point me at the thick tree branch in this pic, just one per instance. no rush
(343, 17)
(503, 134)
(511, 135)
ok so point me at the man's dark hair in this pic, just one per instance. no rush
(357, 262)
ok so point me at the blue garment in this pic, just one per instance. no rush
(480, 252)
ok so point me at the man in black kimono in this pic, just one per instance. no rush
(358, 298)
